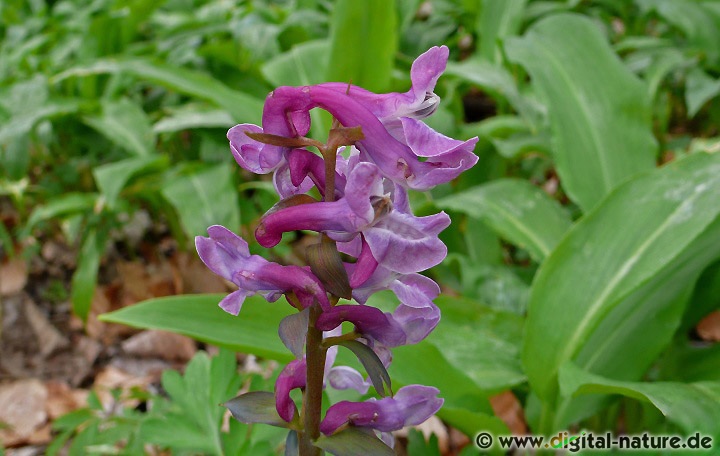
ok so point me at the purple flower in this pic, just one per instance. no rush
(413, 319)
(410, 406)
(292, 376)
(419, 102)
(227, 255)
(398, 158)
(397, 240)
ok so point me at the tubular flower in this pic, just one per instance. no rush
(410, 406)
(227, 255)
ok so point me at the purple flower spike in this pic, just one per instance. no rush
(227, 255)
(412, 405)
(292, 376)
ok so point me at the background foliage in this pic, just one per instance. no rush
(583, 249)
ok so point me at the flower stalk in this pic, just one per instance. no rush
(364, 215)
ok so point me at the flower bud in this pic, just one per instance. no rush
(326, 264)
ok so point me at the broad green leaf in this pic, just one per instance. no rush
(363, 43)
(599, 112)
(198, 316)
(112, 178)
(85, 277)
(354, 442)
(498, 20)
(517, 210)
(126, 124)
(473, 350)
(205, 198)
(470, 423)
(60, 206)
(687, 362)
(695, 407)
(628, 264)
(304, 64)
(193, 116)
(242, 107)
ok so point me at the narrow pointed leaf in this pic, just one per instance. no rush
(372, 364)
(255, 407)
(293, 331)
(292, 445)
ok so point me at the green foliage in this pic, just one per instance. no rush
(187, 419)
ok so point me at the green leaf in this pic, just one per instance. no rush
(372, 364)
(126, 124)
(304, 64)
(363, 43)
(85, 277)
(205, 198)
(198, 316)
(255, 407)
(60, 206)
(176, 432)
(700, 89)
(242, 107)
(24, 122)
(473, 351)
(193, 116)
(517, 210)
(497, 80)
(695, 19)
(498, 20)
(354, 442)
(687, 362)
(112, 178)
(695, 407)
(599, 112)
(628, 264)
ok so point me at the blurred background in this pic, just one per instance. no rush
(113, 117)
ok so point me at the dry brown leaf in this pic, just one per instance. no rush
(709, 327)
(507, 407)
(111, 378)
(49, 338)
(13, 276)
(22, 408)
(62, 399)
(160, 344)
